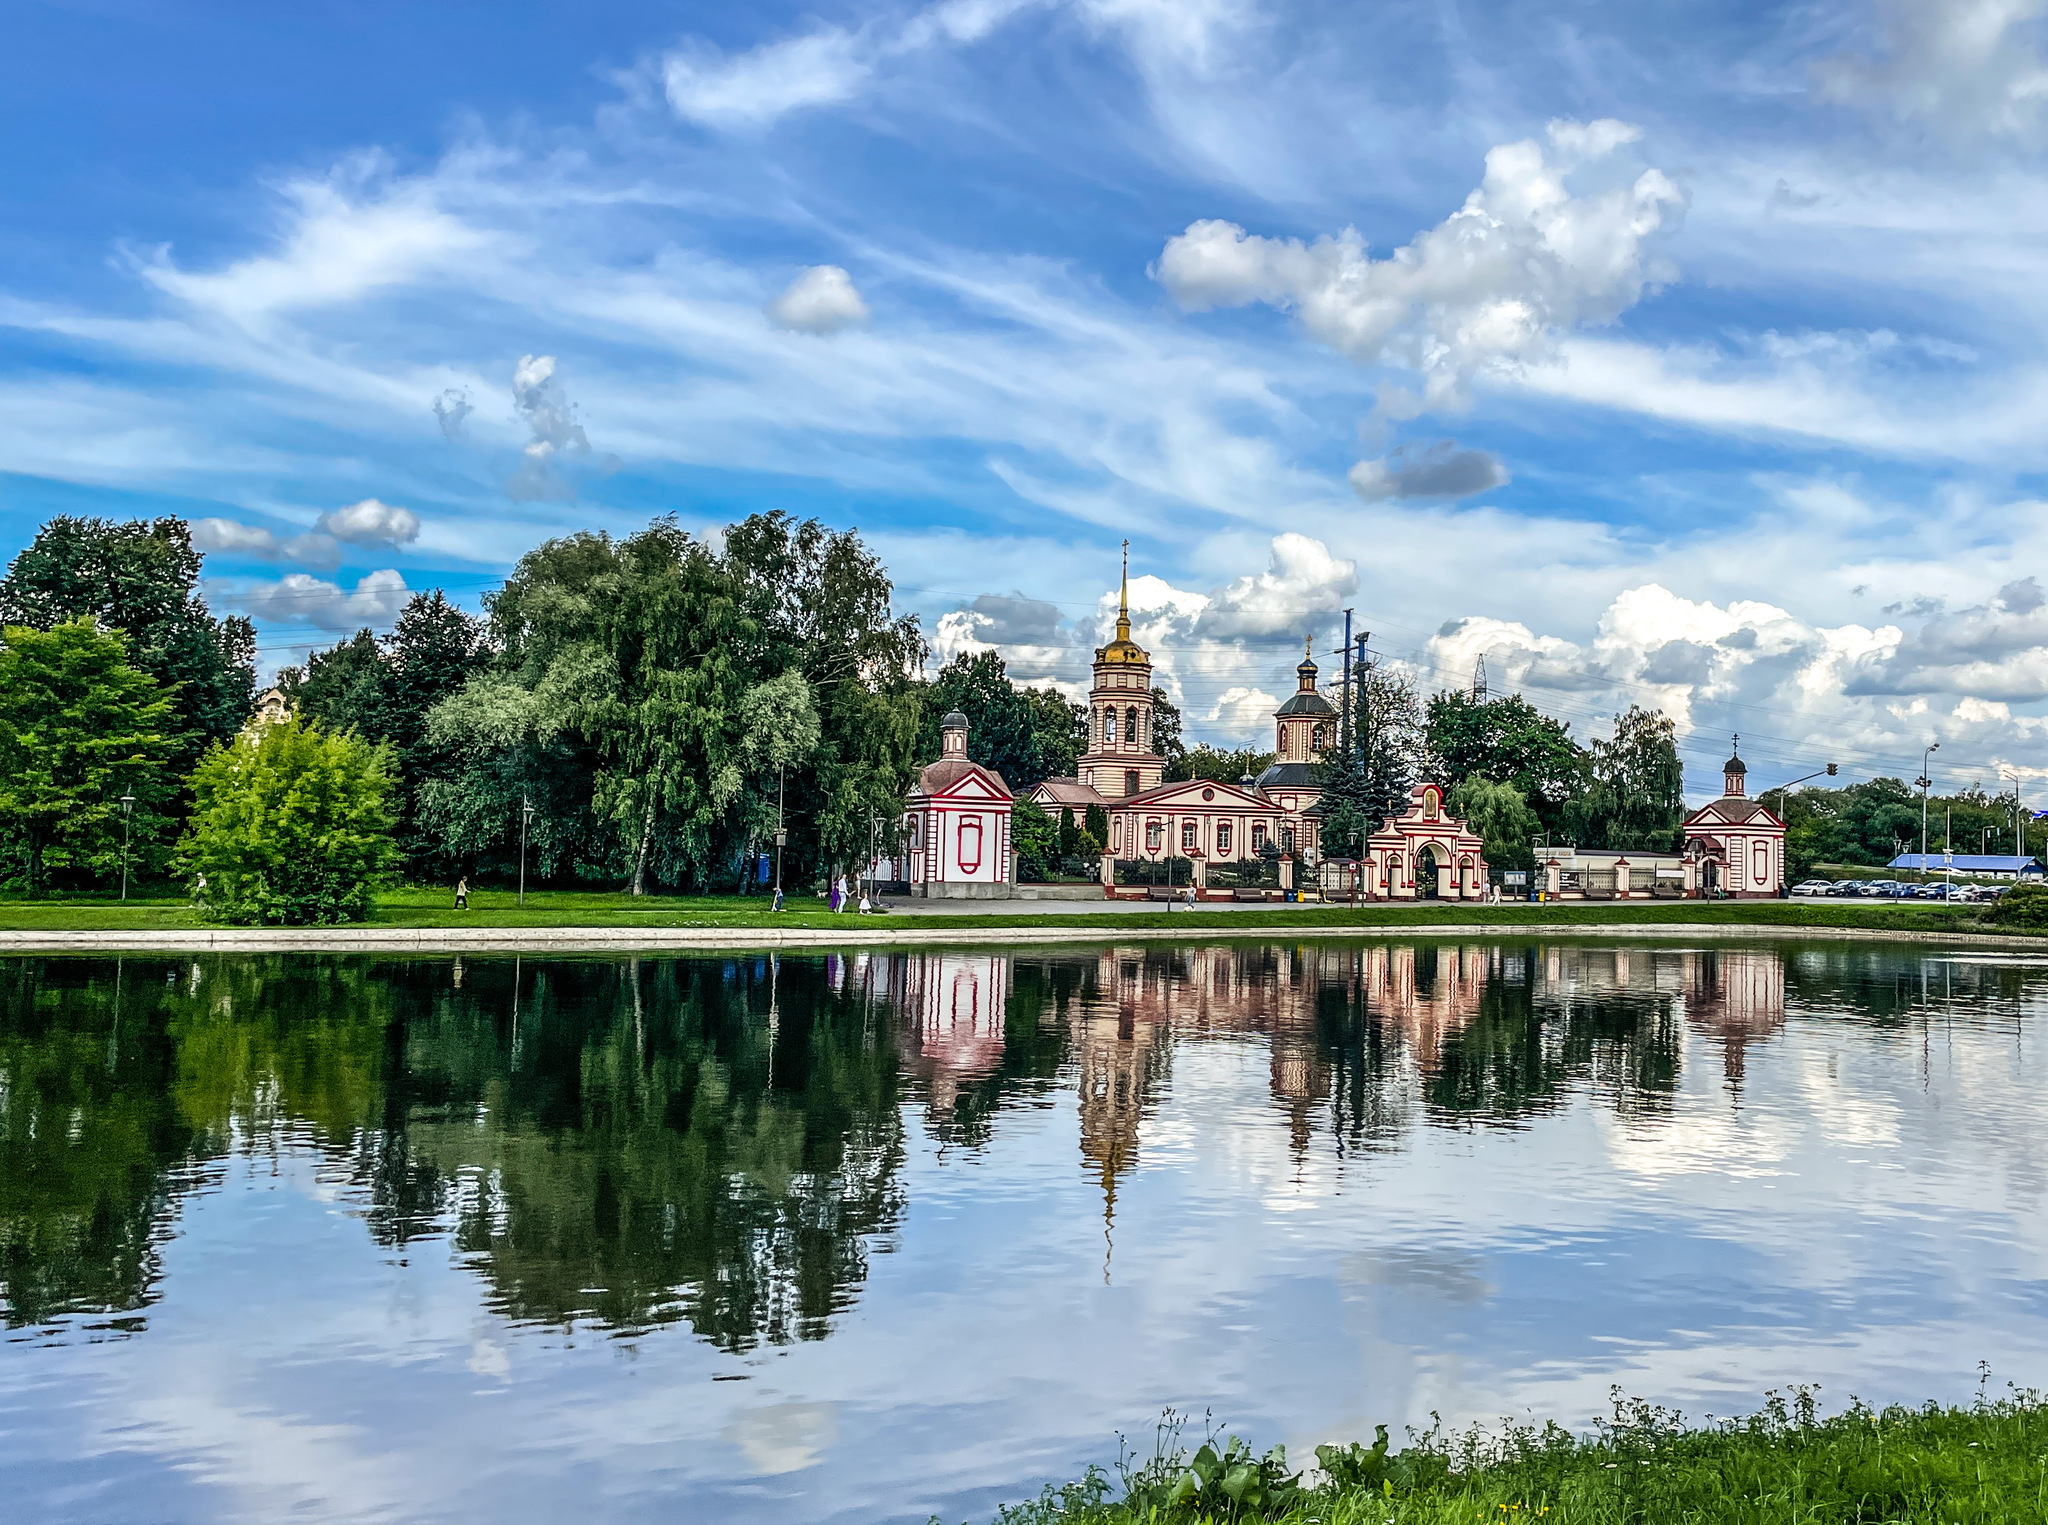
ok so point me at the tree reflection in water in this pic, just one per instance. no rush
(721, 1141)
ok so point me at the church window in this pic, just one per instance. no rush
(1152, 836)
(1287, 839)
(1258, 837)
(1321, 739)
(1189, 836)
(1131, 725)
(1109, 727)
(1130, 781)
(1223, 839)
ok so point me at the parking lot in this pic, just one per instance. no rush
(1894, 889)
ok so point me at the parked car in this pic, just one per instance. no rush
(1947, 892)
(1814, 887)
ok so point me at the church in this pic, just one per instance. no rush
(1203, 820)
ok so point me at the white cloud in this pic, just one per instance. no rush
(824, 67)
(1483, 293)
(345, 240)
(821, 300)
(230, 537)
(371, 523)
(298, 599)
(552, 428)
(1964, 66)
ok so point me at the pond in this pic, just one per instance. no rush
(872, 1237)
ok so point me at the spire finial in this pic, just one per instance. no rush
(1123, 599)
(1308, 648)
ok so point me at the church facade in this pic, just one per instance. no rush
(1202, 820)
(1734, 846)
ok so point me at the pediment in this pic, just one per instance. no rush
(976, 785)
(1186, 795)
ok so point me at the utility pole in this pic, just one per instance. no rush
(1344, 714)
(1923, 781)
(781, 835)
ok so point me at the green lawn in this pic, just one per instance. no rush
(416, 907)
(1986, 1464)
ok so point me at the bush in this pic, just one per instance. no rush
(2024, 906)
(291, 826)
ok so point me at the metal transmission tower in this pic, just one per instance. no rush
(1479, 680)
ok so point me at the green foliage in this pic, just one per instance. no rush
(1027, 735)
(1218, 765)
(79, 728)
(2024, 906)
(385, 692)
(1392, 743)
(1636, 797)
(1166, 738)
(1036, 837)
(1096, 827)
(1508, 741)
(140, 578)
(291, 825)
(1784, 1465)
(1872, 823)
(1501, 817)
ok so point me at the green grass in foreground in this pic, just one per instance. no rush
(411, 906)
(1932, 1466)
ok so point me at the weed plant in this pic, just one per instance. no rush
(1786, 1464)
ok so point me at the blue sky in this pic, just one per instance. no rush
(1678, 355)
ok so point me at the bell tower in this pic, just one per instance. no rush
(1120, 760)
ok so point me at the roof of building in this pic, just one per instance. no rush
(1233, 793)
(942, 775)
(1281, 775)
(1307, 702)
(1968, 863)
(953, 721)
(1734, 810)
(1071, 791)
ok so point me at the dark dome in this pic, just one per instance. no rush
(954, 721)
(1734, 765)
(1307, 702)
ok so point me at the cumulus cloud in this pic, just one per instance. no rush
(554, 433)
(298, 599)
(1962, 66)
(821, 300)
(1441, 470)
(230, 537)
(1869, 697)
(371, 523)
(1218, 653)
(1484, 292)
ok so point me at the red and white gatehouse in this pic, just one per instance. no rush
(955, 834)
(1734, 846)
(1425, 853)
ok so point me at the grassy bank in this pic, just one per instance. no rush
(1984, 1463)
(414, 907)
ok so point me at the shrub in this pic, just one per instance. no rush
(291, 826)
(2024, 906)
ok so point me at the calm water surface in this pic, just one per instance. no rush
(866, 1238)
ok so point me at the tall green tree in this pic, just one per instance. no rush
(1392, 740)
(291, 825)
(1636, 799)
(141, 578)
(1166, 736)
(1501, 817)
(79, 728)
(1218, 764)
(1027, 735)
(384, 691)
(1511, 742)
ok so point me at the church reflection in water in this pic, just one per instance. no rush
(722, 1141)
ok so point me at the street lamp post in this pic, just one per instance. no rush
(127, 820)
(1924, 781)
(525, 820)
(781, 836)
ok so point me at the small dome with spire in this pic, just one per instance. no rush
(1123, 648)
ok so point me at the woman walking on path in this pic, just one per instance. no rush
(462, 893)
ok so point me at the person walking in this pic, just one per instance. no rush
(845, 897)
(462, 893)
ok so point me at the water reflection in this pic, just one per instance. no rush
(721, 1143)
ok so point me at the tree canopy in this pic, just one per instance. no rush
(79, 728)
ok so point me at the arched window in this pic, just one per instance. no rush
(1131, 725)
(1152, 836)
(1223, 839)
(1109, 726)
(1189, 836)
(1287, 839)
(1258, 837)
(1321, 738)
